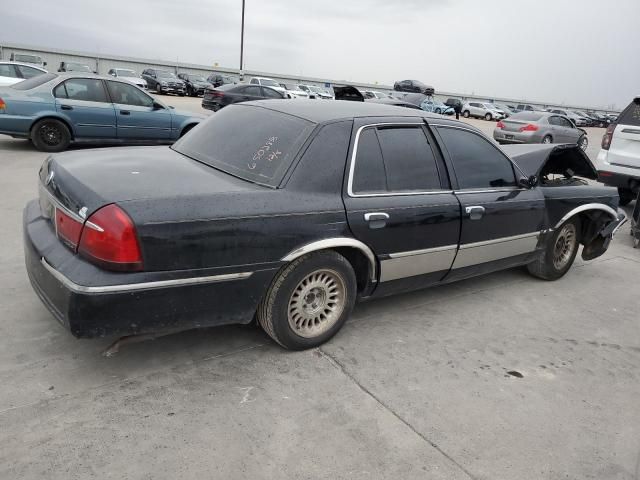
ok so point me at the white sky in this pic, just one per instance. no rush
(571, 51)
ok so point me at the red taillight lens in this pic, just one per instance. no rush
(607, 137)
(68, 228)
(216, 93)
(500, 125)
(109, 239)
(529, 128)
(2, 104)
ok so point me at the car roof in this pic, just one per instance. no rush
(24, 64)
(321, 112)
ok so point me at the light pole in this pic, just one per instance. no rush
(242, 44)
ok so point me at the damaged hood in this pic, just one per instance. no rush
(562, 159)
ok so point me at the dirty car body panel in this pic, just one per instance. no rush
(217, 216)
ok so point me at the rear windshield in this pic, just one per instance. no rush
(253, 143)
(631, 114)
(34, 82)
(527, 116)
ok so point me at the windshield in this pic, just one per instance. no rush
(265, 82)
(262, 154)
(196, 78)
(490, 106)
(165, 74)
(125, 73)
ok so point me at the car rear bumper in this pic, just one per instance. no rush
(502, 136)
(617, 175)
(91, 302)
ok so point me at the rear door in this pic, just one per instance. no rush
(85, 102)
(501, 222)
(625, 143)
(399, 202)
(570, 132)
(136, 116)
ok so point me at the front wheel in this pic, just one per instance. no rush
(466, 114)
(583, 142)
(560, 252)
(488, 117)
(547, 139)
(309, 300)
(50, 135)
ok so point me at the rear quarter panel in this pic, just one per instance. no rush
(24, 108)
(561, 201)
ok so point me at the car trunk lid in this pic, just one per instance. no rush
(560, 159)
(513, 125)
(85, 180)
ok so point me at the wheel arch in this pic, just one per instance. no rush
(53, 116)
(359, 255)
(582, 210)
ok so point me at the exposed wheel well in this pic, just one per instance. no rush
(360, 264)
(52, 118)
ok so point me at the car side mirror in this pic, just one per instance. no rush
(528, 182)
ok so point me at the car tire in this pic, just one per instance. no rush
(466, 114)
(437, 110)
(583, 143)
(488, 117)
(626, 196)
(50, 135)
(317, 285)
(560, 252)
(547, 139)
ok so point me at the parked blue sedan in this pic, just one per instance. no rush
(55, 110)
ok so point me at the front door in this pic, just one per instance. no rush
(85, 102)
(501, 222)
(399, 202)
(136, 113)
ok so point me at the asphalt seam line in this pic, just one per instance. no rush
(336, 364)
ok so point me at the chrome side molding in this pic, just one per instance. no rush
(179, 282)
(584, 208)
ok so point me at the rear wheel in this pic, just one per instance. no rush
(560, 252)
(547, 139)
(50, 135)
(488, 117)
(466, 114)
(626, 196)
(309, 300)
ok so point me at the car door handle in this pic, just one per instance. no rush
(66, 107)
(376, 219)
(125, 112)
(475, 212)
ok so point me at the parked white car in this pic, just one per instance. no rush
(14, 72)
(130, 76)
(370, 94)
(293, 91)
(488, 111)
(28, 59)
(618, 162)
(269, 82)
(315, 92)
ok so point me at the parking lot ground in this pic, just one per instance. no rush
(498, 377)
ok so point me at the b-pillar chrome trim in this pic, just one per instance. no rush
(336, 242)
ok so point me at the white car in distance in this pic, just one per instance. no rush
(14, 72)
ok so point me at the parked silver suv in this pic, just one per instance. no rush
(488, 111)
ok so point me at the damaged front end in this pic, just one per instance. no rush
(567, 165)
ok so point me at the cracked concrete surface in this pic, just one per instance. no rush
(415, 386)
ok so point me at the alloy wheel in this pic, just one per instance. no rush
(566, 243)
(317, 303)
(50, 134)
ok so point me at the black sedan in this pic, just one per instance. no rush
(216, 98)
(289, 211)
(195, 84)
(413, 86)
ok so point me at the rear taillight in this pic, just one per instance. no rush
(607, 137)
(529, 128)
(500, 125)
(68, 228)
(109, 240)
(3, 105)
(216, 93)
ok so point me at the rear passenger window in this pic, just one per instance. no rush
(477, 163)
(631, 114)
(394, 160)
(408, 160)
(87, 89)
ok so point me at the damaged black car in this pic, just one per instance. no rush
(312, 208)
